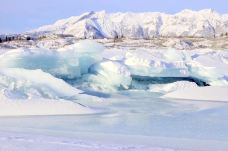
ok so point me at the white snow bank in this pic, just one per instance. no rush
(34, 92)
(211, 93)
(163, 88)
(156, 63)
(210, 65)
(26, 83)
(179, 63)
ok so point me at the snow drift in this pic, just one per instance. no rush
(35, 82)
(34, 92)
(202, 93)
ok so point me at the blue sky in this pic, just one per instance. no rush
(23, 15)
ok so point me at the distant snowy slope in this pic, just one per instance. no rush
(187, 23)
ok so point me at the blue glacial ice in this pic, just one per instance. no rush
(109, 75)
(88, 63)
(70, 62)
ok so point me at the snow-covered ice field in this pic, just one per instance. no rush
(135, 121)
(88, 97)
(131, 121)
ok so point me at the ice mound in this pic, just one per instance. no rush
(109, 75)
(70, 62)
(88, 52)
(113, 69)
(209, 65)
(163, 63)
(28, 83)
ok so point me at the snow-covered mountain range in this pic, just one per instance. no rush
(187, 23)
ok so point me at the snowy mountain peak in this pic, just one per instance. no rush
(187, 23)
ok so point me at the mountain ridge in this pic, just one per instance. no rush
(146, 25)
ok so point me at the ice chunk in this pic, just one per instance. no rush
(68, 62)
(89, 52)
(59, 64)
(109, 75)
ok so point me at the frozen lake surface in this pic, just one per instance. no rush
(132, 120)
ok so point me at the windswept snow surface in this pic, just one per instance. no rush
(36, 107)
(28, 142)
